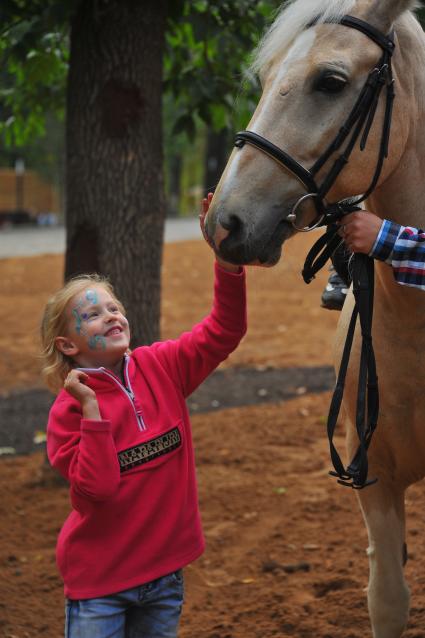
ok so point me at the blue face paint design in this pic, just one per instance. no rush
(79, 304)
(91, 296)
(95, 340)
(77, 320)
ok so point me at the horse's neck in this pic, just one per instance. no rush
(401, 197)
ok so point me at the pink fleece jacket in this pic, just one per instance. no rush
(135, 513)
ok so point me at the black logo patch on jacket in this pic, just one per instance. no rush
(149, 450)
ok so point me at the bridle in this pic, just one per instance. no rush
(358, 123)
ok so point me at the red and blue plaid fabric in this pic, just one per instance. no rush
(403, 247)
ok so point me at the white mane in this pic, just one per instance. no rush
(293, 18)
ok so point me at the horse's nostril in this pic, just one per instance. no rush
(230, 239)
(231, 223)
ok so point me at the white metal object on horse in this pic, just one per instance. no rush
(311, 76)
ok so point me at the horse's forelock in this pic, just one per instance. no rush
(292, 19)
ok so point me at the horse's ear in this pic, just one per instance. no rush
(382, 13)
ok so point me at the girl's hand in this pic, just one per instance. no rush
(205, 204)
(75, 384)
(204, 210)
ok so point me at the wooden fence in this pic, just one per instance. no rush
(27, 192)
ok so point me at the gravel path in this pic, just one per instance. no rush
(37, 240)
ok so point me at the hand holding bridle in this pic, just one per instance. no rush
(360, 230)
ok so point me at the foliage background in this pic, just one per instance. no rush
(205, 86)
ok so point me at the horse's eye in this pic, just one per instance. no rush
(330, 84)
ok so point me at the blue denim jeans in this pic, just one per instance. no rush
(149, 611)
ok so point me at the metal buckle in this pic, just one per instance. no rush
(348, 481)
(292, 217)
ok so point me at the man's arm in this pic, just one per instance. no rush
(402, 247)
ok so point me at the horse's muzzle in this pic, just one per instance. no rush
(238, 242)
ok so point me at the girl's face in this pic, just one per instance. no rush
(98, 333)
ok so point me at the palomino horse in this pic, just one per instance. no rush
(312, 68)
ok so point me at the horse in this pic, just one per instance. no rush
(312, 68)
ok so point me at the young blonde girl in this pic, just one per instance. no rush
(119, 432)
(56, 363)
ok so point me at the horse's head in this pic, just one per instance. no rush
(311, 81)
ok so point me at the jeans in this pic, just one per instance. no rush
(149, 611)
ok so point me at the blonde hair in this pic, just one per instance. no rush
(55, 364)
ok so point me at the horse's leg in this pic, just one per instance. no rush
(388, 595)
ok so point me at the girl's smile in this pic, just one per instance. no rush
(113, 332)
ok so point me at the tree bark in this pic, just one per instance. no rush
(115, 203)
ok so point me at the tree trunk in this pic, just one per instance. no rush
(115, 203)
(216, 156)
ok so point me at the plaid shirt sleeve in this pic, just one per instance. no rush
(403, 247)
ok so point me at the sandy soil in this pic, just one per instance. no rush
(286, 545)
(284, 314)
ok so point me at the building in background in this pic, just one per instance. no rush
(25, 197)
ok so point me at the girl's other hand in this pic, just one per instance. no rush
(75, 384)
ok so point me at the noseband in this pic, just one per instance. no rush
(358, 122)
(360, 119)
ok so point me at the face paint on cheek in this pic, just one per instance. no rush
(96, 340)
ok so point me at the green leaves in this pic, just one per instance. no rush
(34, 62)
(207, 49)
(207, 52)
(185, 123)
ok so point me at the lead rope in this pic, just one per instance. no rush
(355, 475)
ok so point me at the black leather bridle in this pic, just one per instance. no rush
(358, 123)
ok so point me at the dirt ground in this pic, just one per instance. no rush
(285, 545)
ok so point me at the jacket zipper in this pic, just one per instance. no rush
(127, 391)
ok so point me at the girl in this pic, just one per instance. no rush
(119, 432)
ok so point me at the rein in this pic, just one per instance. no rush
(358, 123)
